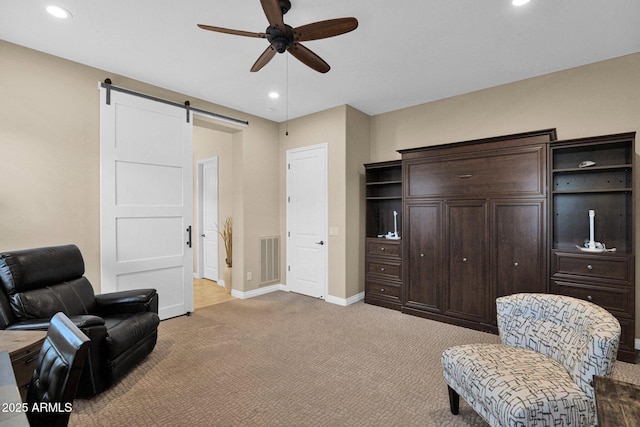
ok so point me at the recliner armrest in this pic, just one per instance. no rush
(84, 321)
(132, 301)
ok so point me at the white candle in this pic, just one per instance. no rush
(592, 242)
(395, 223)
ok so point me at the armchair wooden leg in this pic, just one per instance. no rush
(454, 401)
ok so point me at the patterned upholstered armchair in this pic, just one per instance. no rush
(542, 372)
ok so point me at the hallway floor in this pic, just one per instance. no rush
(207, 292)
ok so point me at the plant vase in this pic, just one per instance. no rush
(227, 278)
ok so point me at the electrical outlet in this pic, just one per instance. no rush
(249, 275)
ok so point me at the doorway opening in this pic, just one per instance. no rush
(213, 200)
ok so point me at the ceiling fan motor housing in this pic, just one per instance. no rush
(280, 39)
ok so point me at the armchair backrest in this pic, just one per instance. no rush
(38, 283)
(580, 335)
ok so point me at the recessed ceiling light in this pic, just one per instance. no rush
(59, 12)
(274, 95)
(519, 2)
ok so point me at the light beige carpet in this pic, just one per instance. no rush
(287, 360)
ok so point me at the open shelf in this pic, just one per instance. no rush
(383, 197)
(605, 187)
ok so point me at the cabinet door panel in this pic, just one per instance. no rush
(517, 171)
(519, 262)
(424, 277)
(467, 294)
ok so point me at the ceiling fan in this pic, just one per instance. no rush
(283, 37)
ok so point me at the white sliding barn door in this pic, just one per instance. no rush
(146, 196)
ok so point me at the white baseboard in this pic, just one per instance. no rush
(345, 302)
(280, 287)
(257, 292)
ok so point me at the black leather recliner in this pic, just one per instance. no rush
(123, 326)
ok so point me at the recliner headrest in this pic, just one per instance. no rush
(34, 268)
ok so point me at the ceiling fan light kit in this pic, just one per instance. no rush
(283, 38)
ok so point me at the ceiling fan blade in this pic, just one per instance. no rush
(273, 12)
(324, 29)
(234, 32)
(309, 58)
(264, 59)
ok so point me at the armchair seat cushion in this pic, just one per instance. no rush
(127, 330)
(511, 386)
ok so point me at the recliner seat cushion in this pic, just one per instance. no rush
(127, 330)
(511, 386)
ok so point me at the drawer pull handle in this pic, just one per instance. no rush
(589, 297)
(381, 268)
(28, 361)
(515, 264)
(382, 249)
(465, 176)
(589, 267)
(381, 289)
(464, 259)
(421, 255)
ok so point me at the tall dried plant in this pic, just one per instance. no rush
(227, 235)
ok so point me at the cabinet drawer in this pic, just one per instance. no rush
(378, 288)
(605, 267)
(614, 300)
(517, 171)
(390, 270)
(380, 247)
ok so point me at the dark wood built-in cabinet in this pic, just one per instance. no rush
(492, 217)
(595, 174)
(474, 226)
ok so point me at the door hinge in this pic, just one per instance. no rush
(288, 234)
(288, 268)
(289, 166)
(289, 199)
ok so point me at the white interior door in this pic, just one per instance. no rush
(307, 221)
(146, 196)
(209, 218)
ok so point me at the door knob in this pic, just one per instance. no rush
(320, 243)
(202, 235)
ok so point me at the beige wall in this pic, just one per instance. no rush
(49, 142)
(597, 99)
(358, 153)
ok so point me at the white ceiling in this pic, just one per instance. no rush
(403, 53)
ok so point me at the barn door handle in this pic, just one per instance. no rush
(189, 231)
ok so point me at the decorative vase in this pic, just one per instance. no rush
(227, 279)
